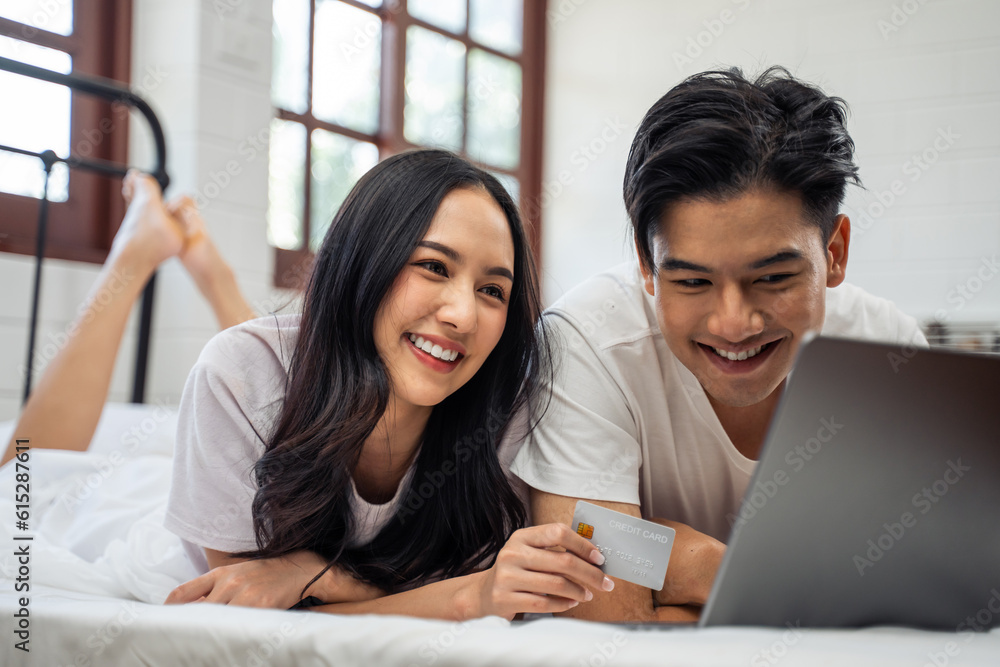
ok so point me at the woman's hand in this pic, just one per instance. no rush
(273, 583)
(694, 560)
(529, 576)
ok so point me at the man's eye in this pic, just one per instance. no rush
(692, 282)
(774, 278)
(434, 267)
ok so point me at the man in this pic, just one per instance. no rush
(667, 374)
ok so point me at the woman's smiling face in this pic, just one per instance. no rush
(447, 308)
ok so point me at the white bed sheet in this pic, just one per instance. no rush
(102, 563)
(86, 629)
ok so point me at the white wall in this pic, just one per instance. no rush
(911, 71)
(205, 66)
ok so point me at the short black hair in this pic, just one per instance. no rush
(717, 135)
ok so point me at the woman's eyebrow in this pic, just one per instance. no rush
(453, 255)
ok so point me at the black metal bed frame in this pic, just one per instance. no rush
(114, 92)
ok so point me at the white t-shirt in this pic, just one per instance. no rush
(231, 401)
(629, 423)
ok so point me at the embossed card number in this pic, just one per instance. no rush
(634, 549)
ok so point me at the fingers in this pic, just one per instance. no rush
(577, 562)
(553, 585)
(191, 591)
(541, 604)
(560, 535)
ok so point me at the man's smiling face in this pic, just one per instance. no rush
(738, 283)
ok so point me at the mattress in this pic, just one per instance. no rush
(101, 564)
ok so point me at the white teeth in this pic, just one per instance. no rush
(433, 349)
(741, 356)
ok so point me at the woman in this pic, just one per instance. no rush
(376, 483)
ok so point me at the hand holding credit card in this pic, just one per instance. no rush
(634, 549)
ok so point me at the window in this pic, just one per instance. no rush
(82, 36)
(356, 81)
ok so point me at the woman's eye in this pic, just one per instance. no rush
(434, 267)
(495, 292)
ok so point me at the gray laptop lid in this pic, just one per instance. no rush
(877, 497)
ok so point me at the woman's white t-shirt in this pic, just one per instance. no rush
(230, 404)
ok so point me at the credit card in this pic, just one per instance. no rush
(634, 549)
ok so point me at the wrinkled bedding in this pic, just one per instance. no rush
(101, 564)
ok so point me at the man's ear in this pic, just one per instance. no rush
(837, 250)
(647, 272)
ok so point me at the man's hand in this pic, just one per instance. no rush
(274, 583)
(694, 560)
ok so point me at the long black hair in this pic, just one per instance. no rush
(460, 508)
(717, 135)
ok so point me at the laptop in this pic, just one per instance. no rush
(877, 497)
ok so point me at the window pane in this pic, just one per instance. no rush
(337, 164)
(435, 80)
(348, 44)
(497, 23)
(39, 121)
(494, 110)
(55, 17)
(447, 14)
(286, 184)
(290, 58)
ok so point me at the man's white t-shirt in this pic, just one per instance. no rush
(629, 423)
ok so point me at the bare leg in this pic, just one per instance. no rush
(210, 272)
(65, 406)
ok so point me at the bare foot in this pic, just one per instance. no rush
(148, 234)
(202, 259)
(199, 255)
